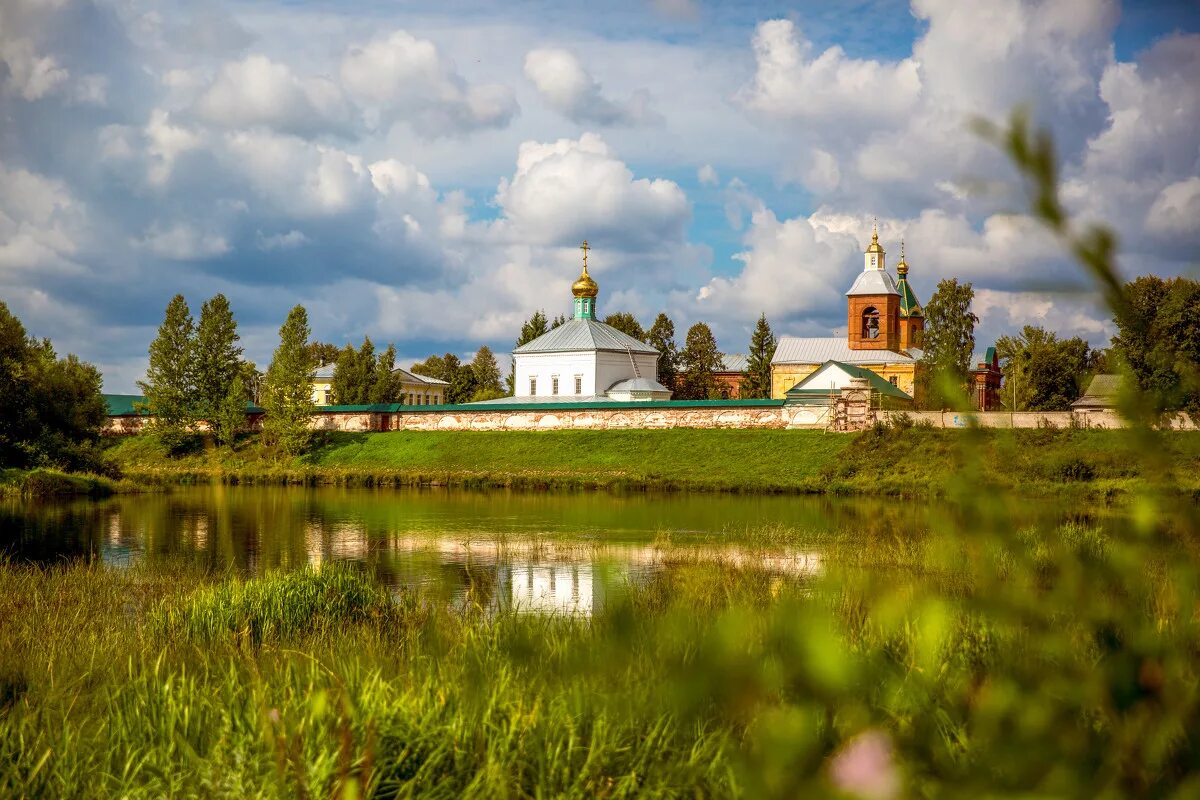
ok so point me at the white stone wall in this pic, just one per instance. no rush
(544, 366)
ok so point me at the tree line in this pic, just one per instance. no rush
(51, 408)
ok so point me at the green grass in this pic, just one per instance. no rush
(1098, 464)
(993, 661)
(40, 483)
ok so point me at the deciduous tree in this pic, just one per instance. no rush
(487, 375)
(1045, 373)
(51, 409)
(1159, 339)
(287, 393)
(756, 381)
(949, 342)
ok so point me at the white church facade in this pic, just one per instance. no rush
(585, 360)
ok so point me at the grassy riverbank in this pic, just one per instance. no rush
(41, 483)
(895, 462)
(992, 661)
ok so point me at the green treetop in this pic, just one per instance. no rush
(626, 323)
(1159, 339)
(217, 357)
(487, 375)
(287, 393)
(698, 361)
(170, 385)
(662, 338)
(756, 381)
(354, 374)
(386, 386)
(949, 341)
(1045, 373)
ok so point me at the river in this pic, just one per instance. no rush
(537, 551)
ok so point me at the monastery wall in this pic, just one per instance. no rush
(1026, 419)
(654, 418)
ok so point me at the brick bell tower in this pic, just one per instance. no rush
(873, 303)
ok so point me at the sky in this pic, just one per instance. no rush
(423, 173)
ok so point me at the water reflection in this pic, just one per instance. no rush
(494, 549)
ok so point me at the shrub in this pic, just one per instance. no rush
(279, 606)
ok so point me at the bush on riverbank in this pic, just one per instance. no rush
(42, 483)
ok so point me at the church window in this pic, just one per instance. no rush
(578, 384)
(893, 381)
(870, 323)
(554, 384)
(532, 387)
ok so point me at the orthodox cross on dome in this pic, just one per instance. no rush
(585, 289)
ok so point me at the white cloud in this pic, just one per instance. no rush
(182, 242)
(791, 83)
(1176, 210)
(707, 175)
(259, 92)
(409, 79)
(571, 189)
(297, 177)
(570, 90)
(31, 75)
(42, 225)
(165, 143)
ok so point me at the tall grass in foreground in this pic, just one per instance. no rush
(1056, 660)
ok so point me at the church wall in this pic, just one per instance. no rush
(544, 366)
(785, 376)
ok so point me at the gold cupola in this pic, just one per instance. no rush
(873, 258)
(874, 246)
(902, 267)
(585, 289)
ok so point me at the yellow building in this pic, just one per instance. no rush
(416, 390)
(884, 329)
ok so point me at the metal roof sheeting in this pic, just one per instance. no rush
(584, 334)
(818, 350)
(734, 362)
(873, 281)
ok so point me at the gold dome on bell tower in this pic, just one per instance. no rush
(584, 286)
(874, 246)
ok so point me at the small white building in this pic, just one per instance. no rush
(584, 360)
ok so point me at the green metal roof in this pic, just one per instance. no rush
(909, 307)
(122, 405)
(803, 390)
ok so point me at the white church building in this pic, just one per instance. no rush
(584, 360)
